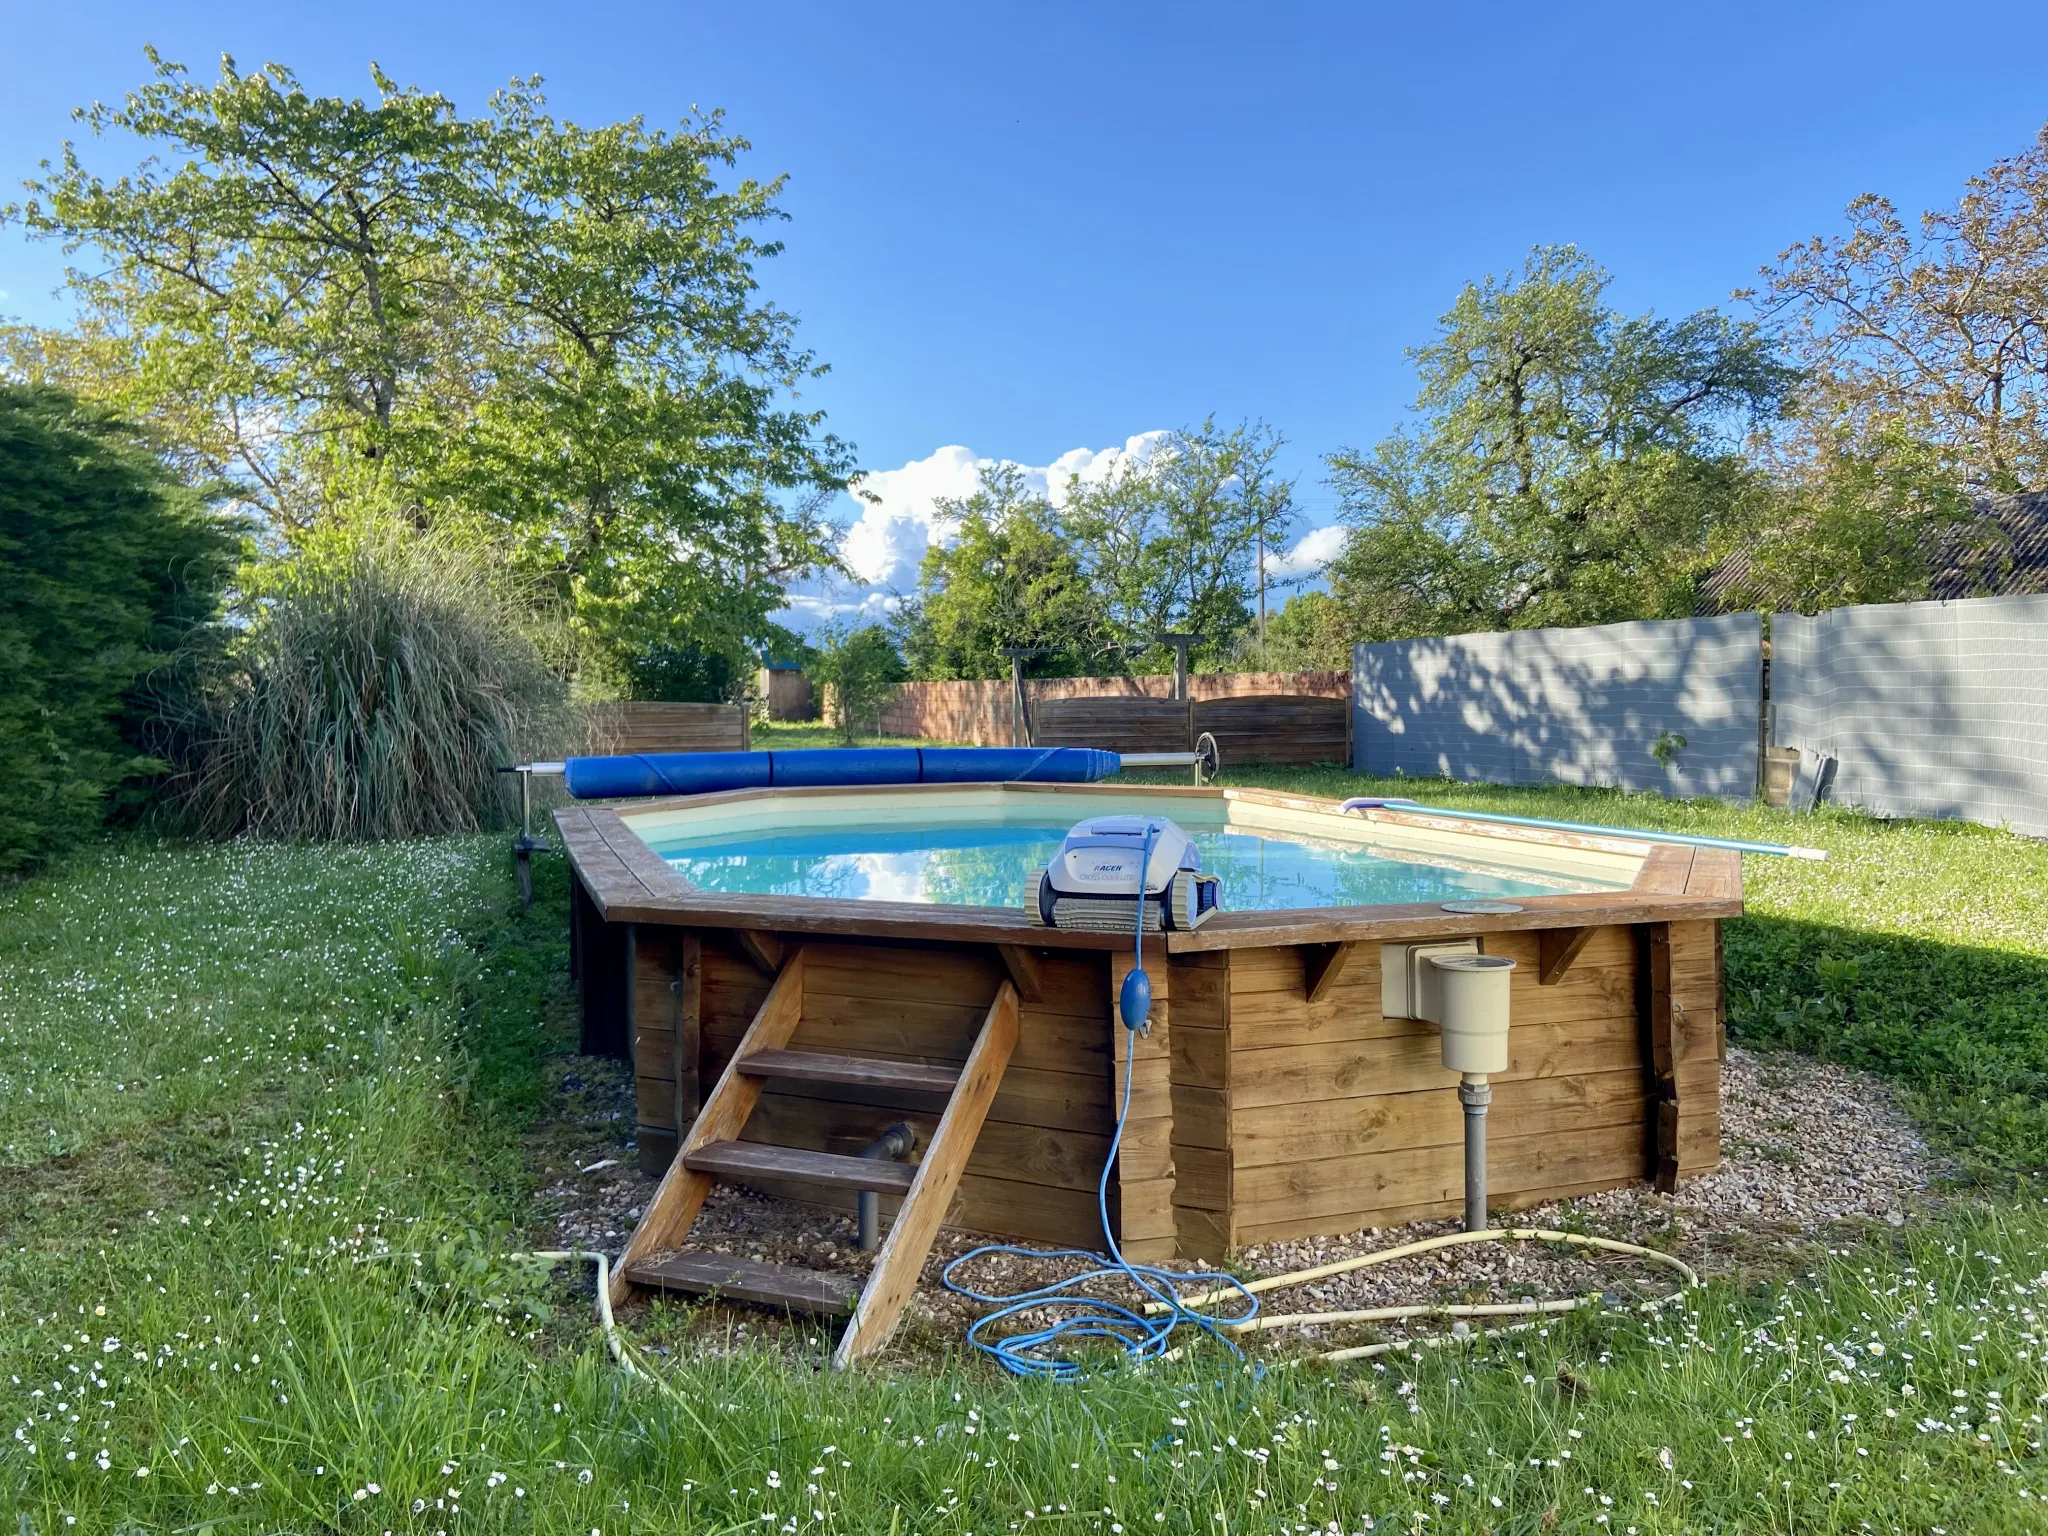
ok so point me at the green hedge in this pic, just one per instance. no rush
(108, 566)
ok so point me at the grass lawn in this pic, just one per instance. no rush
(231, 1077)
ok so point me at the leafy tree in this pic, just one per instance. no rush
(1007, 576)
(1937, 336)
(633, 439)
(547, 334)
(686, 673)
(283, 287)
(860, 670)
(1572, 466)
(1925, 388)
(1850, 522)
(110, 566)
(1307, 634)
(1172, 543)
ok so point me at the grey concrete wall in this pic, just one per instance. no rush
(1572, 706)
(1930, 709)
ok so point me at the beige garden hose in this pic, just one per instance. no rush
(1525, 1309)
(621, 1352)
(610, 1329)
(614, 1341)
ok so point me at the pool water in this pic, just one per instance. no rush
(995, 866)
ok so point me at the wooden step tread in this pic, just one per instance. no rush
(738, 1279)
(753, 1159)
(852, 1071)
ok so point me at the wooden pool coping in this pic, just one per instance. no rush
(632, 883)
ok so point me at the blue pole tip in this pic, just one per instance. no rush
(1134, 1001)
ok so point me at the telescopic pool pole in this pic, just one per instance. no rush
(1499, 818)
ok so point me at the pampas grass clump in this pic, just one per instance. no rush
(373, 696)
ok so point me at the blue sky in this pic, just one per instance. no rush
(1030, 232)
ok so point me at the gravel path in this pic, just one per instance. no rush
(1809, 1150)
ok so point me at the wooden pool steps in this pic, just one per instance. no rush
(771, 1285)
(712, 1150)
(829, 1170)
(852, 1071)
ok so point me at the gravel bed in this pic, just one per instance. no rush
(1809, 1151)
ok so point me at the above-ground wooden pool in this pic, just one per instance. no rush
(1272, 1098)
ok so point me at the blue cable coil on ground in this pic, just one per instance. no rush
(1037, 1352)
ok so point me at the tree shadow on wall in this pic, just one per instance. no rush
(1554, 707)
(1904, 701)
(1964, 1030)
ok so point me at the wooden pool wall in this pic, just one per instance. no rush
(1271, 1100)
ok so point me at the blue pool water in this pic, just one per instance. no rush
(994, 866)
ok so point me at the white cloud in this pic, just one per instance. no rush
(1316, 549)
(895, 523)
(899, 518)
(896, 520)
(807, 611)
(1092, 466)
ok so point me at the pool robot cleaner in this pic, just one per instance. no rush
(1114, 873)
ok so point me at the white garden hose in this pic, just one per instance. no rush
(621, 1352)
(1527, 1309)
(614, 1341)
(610, 1329)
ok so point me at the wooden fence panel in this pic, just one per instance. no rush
(646, 726)
(983, 714)
(1120, 725)
(1286, 730)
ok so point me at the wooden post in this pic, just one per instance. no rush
(576, 903)
(1660, 1048)
(607, 977)
(1181, 644)
(1142, 1188)
(686, 1045)
(1019, 701)
(629, 984)
(1351, 726)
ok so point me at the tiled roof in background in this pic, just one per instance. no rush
(2011, 561)
(2001, 553)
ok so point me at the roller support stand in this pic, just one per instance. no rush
(523, 850)
(1475, 1093)
(525, 845)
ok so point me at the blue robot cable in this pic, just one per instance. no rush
(1038, 1352)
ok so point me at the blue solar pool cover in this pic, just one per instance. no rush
(704, 773)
